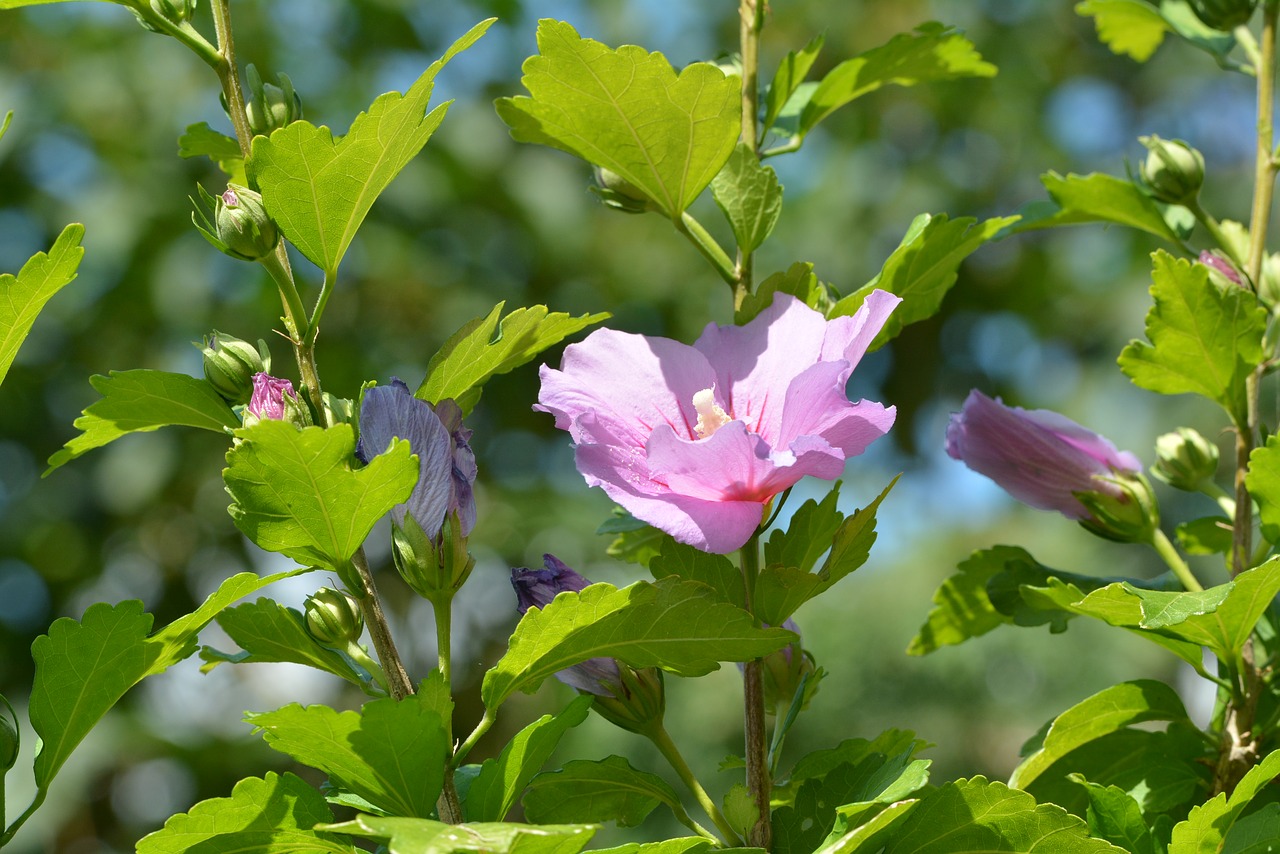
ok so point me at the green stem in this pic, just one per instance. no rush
(662, 740)
(707, 245)
(759, 780)
(1248, 44)
(1165, 549)
(750, 23)
(229, 74)
(41, 794)
(361, 657)
(326, 291)
(398, 682)
(294, 312)
(485, 724)
(448, 807)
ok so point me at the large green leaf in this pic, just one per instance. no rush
(274, 814)
(488, 345)
(1095, 198)
(267, 631)
(961, 607)
(1116, 816)
(598, 791)
(808, 535)
(1209, 825)
(933, 52)
(1263, 480)
(977, 816)
(750, 196)
(420, 836)
(678, 626)
(391, 753)
(679, 845)
(294, 491)
(690, 564)
(23, 296)
(1131, 28)
(498, 785)
(1205, 339)
(868, 832)
(1105, 712)
(141, 401)
(628, 111)
(923, 268)
(318, 189)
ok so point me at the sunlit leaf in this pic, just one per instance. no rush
(1263, 480)
(597, 791)
(1209, 825)
(1114, 815)
(690, 564)
(808, 535)
(798, 280)
(421, 836)
(141, 401)
(628, 111)
(790, 74)
(750, 196)
(200, 140)
(23, 296)
(1205, 339)
(961, 607)
(866, 835)
(1130, 28)
(318, 189)
(295, 492)
(1095, 198)
(274, 814)
(494, 344)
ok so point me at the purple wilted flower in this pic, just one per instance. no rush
(535, 588)
(1050, 462)
(446, 466)
(267, 400)
(696, 440)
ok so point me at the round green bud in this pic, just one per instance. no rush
(1173, 170)
(8, 744)
(243, 225)
(620, 194)
(1185, 459)
(333, 617)
(1224, 15)
(270, 107)
(230, 363)
(637, 702)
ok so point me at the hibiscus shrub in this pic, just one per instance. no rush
(699, 445)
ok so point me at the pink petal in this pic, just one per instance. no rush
(816, 405)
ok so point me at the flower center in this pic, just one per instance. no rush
(710, 416)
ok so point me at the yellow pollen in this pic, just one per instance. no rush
(710, 416)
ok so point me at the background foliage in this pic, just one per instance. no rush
(478, 218)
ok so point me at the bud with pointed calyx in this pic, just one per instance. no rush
(9, 743)
(274, 399)
(334, 618)
(1185, 459)
(1221, 271)
(270, 107)
(1224, 15)
(1173, 171)
(240, 226)
(620, 194)
(1124, 508)
(230, 364)
(636, 700)
(172, 12)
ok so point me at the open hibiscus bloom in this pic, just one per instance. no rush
(696, 440)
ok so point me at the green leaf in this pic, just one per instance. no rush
(1206, 536)
(798, 280)
(690, 564)
(1263, 480)
(420, 836)
(791, 72)
(4, 125)
(1096, 198)
(318, 189)
(267, 631)
(627, 111)
(597, 791)
(740, 809)
(932, 53)
(635, 541)
(1114, 815)
(750, 196)
(1208, 825)
(1105, 712)
(809, 533)
(496, 788)
(680, 845)
(681, 627)
(200, 140)
(1129, 27)
(391, 753)
(1204, 339)
(1256, 833)
(294, 491)
(141, 401)
(961, 607)
(922, 269)
(23, 296)
(867, 836)
(487, 346)
(274, 814)
(82, 670)
(971, 816)
(1182, 20)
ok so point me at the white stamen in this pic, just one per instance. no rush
(710, 416)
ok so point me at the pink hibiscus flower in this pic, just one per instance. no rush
(695, 440)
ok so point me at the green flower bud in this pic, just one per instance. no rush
(270, 107)
(1185, 459)
(1224, 15)
(340, 409)
(8, 744)
(230, 363)
(638, 701)
(434, 568)
(333, 618)
(1173, 170)
(1130, 515)
(620, 194)
(175, 12)
(240, 226)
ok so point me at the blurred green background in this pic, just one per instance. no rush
(476, 219)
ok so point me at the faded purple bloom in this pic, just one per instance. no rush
(267, 400)
(535, 588)
(1039, 457)
(445, 472)
(1214, 261)
(696, 440)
